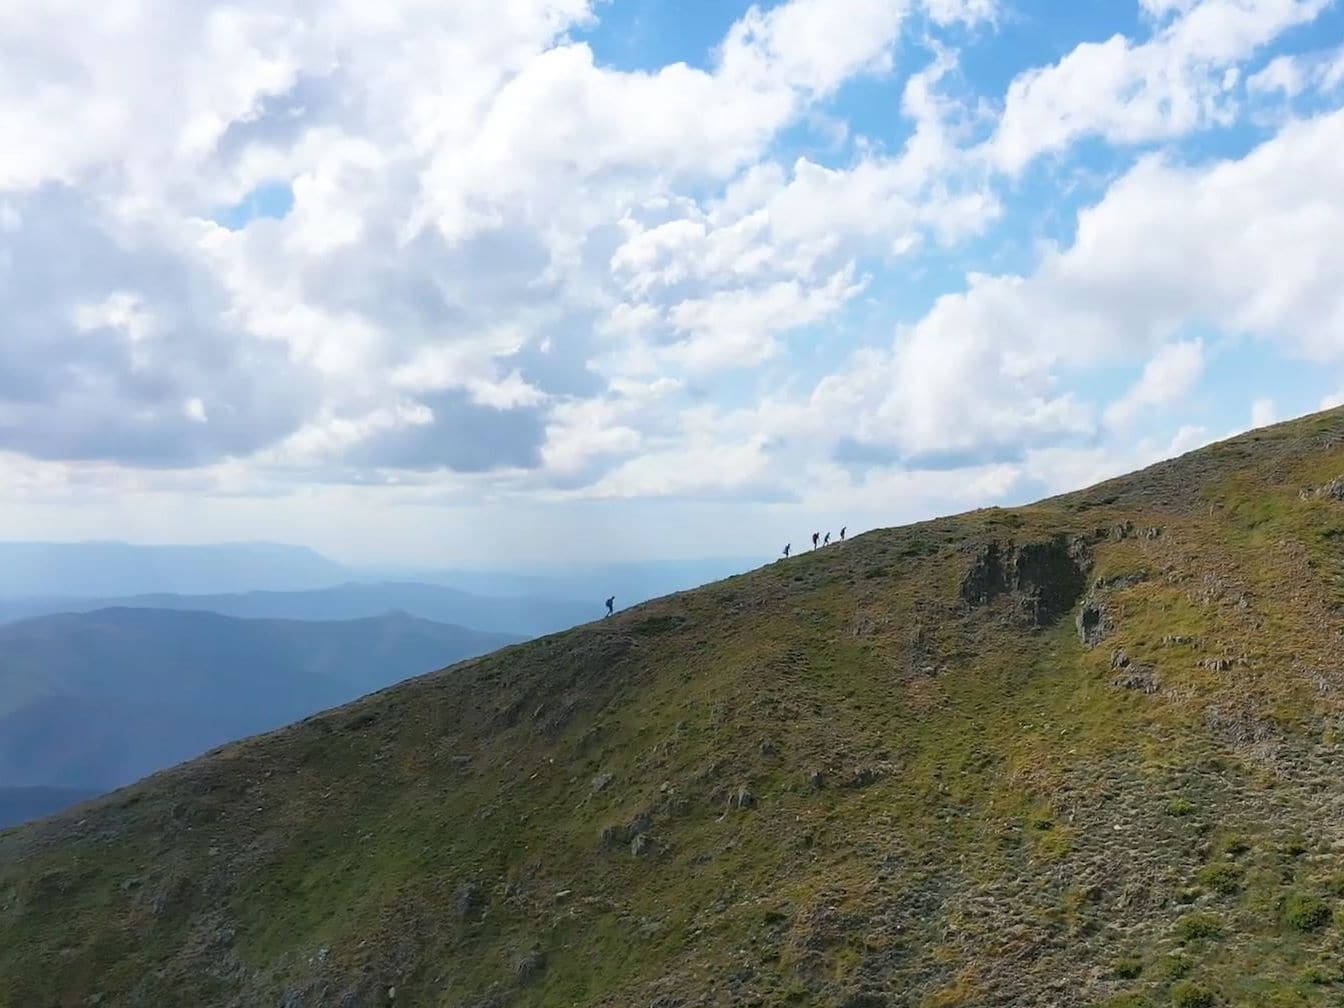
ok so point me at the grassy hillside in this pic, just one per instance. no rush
(1085, 752)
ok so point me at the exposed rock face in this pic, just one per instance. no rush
(528, 966)
(1047, 577)
(1137, 677)
(1093, 623)
(1334, 490)
(468, 901)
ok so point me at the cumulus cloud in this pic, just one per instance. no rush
(1241, 246)
(493, 263)
(1129, 92)
(1170, 375)
(1291, 76)
(1263, 413)
(442, 282)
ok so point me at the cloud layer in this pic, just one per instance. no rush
(451, 250)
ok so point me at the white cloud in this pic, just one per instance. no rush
(1170, 375)
(1242, 246)
(1293, 75)
(512, 271)
(1130, 93)
(738, 328)
(1263, 413)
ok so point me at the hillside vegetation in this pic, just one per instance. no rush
(1085, 752)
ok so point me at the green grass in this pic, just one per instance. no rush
(998, 821)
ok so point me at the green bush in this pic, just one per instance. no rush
(1223, 877)
(1128, 1000)
(1181, 807)
(1194, 926)
(1188, 994)
(1127, 967)
(1295, 846)
(1176, 966)
(1322, 973)
(1305, 911)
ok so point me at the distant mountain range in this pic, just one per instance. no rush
(96, 700)
(518, 617)
(85, 569)
(107, 571)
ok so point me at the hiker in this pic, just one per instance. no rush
(786, 550)
(842, 532)
(610, 602)
(827, 540)
(815, 536)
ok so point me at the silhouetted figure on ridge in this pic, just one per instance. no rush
(610, 602)
(827, 540)
(842, 532)
(786, 550)
(816, 536)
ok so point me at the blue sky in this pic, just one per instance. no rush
(635, 279)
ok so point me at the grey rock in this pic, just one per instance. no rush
(614, 836)
(1334, 490)
(468, 901)
(600, 782)
(641, 845)
(1093, 623)
(1137, 678)
(816, 779)
(1127, 580)
(528, 966)
(742, 798)
(861, 777)
(1045, 578)
(650, 928)
(1119, 659)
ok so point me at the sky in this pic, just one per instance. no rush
(498, 282)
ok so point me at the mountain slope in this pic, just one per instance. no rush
(512, 616)
(97, 700)
(1085, 752)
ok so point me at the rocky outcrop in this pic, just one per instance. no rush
(1093, 623)
(1334, 490)
(1047, 578)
